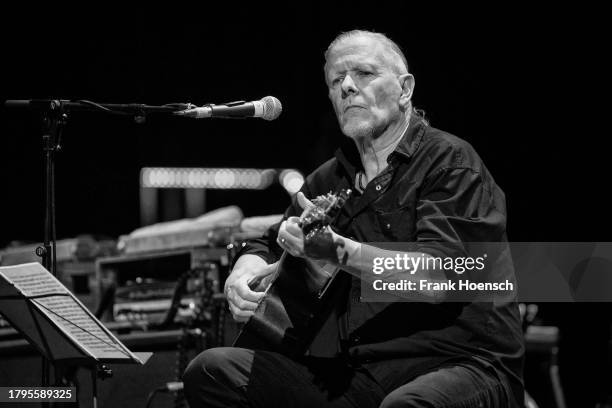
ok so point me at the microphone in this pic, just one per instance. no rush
(268, 108)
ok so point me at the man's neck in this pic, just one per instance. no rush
(374, 152)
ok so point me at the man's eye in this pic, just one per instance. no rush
(364, 72)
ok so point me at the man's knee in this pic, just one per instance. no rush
(217, 365)
(216, 377)
(449, 386)
(405, 399)
(195, 373)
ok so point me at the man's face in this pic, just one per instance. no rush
(363, 87)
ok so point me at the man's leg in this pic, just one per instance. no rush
(236, 377)
(218, 378)
(459, 386)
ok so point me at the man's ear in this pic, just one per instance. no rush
(407, 83)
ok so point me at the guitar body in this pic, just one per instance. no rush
(296, 304)
(291, 313)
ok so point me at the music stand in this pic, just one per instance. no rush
(57, 324)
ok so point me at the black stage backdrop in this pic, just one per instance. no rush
(507, 85)
(508, 81)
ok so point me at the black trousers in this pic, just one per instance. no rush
(235, 377)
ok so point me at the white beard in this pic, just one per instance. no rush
(358, 129)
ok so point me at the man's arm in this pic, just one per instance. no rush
(456, 206)
(256, 262)
(358, 259)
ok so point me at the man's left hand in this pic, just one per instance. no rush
(290, 236)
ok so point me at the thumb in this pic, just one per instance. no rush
(303, 201)
(270, 268)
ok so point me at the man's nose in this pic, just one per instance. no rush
(348, 86)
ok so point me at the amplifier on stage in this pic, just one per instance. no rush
(154, 288)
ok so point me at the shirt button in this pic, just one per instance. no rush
(378, 187)
(388, 226)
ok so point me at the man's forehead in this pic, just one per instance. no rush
(357, 49)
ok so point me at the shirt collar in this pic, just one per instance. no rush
(348, 155)
(412, 137)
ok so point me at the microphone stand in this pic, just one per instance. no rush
(54, 119)
(54, 114)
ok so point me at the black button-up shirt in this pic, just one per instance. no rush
(435, 190)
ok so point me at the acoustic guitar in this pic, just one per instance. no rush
(300, 293)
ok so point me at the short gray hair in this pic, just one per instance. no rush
(388, 43)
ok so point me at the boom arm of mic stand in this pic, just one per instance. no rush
(137, 110)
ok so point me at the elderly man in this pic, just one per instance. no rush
(412, 183)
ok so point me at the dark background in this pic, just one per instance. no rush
(507, 86)
(512, 83)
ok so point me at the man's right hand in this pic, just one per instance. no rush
(241, 298)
